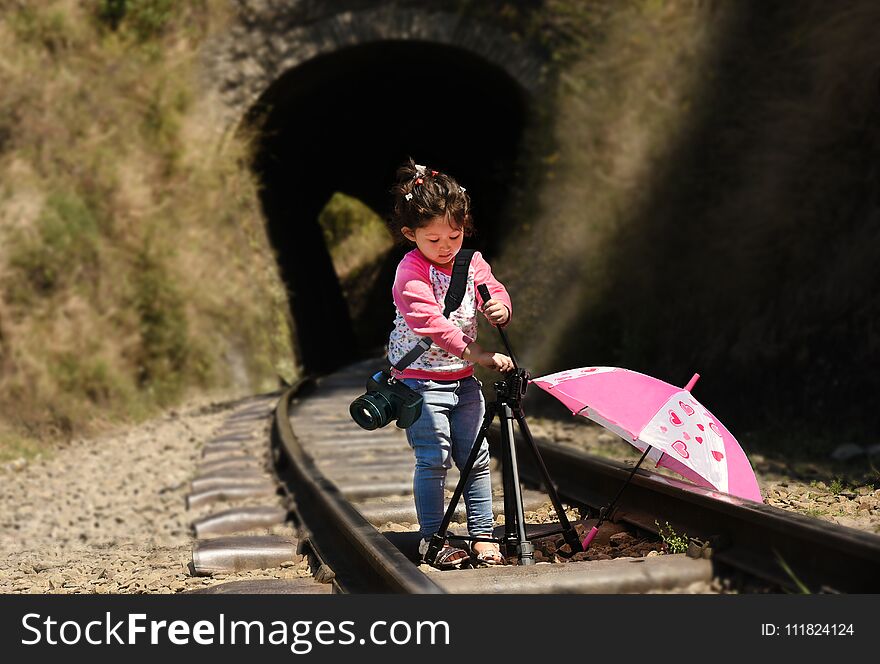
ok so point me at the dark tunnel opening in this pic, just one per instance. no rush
(344, 122)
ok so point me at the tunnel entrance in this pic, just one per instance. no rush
(344, 122)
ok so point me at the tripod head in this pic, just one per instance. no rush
(513, 388)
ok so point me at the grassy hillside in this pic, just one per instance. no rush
(123, 279)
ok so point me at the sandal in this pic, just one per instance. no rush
(487, 557)
(449, 557)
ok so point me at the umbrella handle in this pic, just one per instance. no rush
(589, 537)
(605, 511)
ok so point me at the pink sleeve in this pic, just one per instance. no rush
(414, 298)
(483, 275)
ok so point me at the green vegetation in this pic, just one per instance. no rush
(62, 250)
(355, 234)
(359, 243)
(164, 348)
(145, 19)
(672, 542)
(801, 587)
(134, 265)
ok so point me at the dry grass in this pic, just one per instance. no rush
(133, 261)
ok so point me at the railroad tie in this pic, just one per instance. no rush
(621, 575)
(239, 519)
(223, 555)
(215, 479)
(233, 436)
(246, 461)
(394, 510)
(267, 587)
(235, 468)
(231, 491)
(212, 453)
(361, 490)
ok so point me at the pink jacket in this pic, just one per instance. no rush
(419, 290)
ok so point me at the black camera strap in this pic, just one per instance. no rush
(452, 301)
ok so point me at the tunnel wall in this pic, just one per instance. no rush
(269, 39)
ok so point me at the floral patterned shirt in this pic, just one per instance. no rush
(419, 291)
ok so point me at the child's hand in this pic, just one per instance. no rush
(475, 353)
(496, 311)
(498, 361)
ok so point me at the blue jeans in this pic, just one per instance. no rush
(452, 414)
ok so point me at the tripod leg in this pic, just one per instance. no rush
(568, 533)
(515, 538)
(439, 538)
(508, 485)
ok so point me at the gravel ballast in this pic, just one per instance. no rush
(108, 514)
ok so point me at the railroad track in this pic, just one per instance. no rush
(241, 515)
(343, 485)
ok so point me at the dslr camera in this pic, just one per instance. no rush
(386, 399)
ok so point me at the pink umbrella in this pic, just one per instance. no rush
(665, 422)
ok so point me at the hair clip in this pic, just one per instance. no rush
(408, 197)
(420, 169)
(434, 173)
(419, 181)
(462, 189)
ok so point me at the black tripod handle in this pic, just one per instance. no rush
(483, 290)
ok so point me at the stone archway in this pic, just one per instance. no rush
(340, 102)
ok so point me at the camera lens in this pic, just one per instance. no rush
(371, 411)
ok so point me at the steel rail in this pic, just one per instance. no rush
(362, 559)
(754, 538)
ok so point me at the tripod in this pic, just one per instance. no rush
(508, 407)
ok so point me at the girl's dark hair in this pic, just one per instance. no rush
(422, 194)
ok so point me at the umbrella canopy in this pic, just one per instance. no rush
(684, 436)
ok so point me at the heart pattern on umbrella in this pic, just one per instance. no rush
(690, 424)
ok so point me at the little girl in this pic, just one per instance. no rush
(432, 211)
